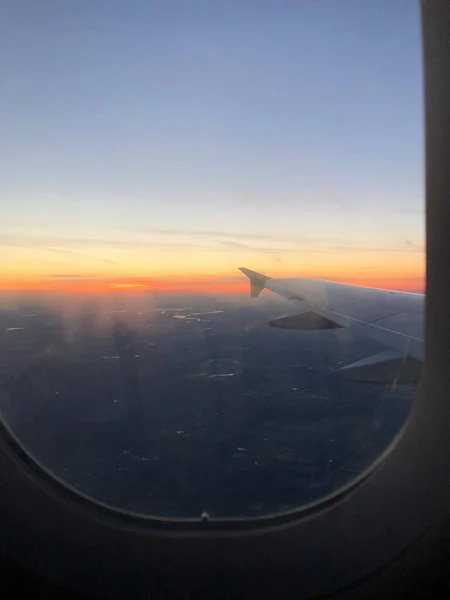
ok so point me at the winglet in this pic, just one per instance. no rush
(257, 281)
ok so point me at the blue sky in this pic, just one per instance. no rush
(153, 123)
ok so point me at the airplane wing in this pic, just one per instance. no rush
(393, 318)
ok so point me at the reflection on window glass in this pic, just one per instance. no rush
(148, 152)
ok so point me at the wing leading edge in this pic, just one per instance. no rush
(393, 318)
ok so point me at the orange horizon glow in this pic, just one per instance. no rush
(184, 268)
(199, 284)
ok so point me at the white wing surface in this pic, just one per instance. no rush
(393, 318)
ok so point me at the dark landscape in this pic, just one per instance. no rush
(174, 406)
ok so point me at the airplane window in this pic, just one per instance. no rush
(149, 151)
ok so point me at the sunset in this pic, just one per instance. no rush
(212, 282)
(176, 260)
(165, 155)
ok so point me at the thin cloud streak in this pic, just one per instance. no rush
(326, 244)
(310, 246)
(71, 275)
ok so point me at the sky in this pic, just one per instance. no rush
(164, 144)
